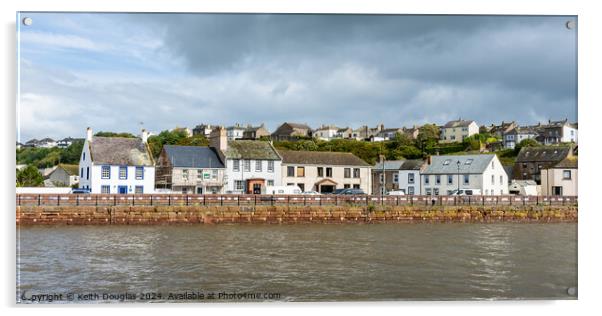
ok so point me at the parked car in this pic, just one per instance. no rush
(396, 192)
(351, 192)
(283, 189)
(466, 192)
(338, 191)
(80, 191)
(311, 193)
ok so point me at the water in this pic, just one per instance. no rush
(304, 262)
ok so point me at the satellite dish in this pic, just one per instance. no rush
(570, 25)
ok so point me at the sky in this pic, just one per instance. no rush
(124, 72)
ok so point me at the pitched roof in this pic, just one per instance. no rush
(298, 125)
(544, 153)
(321, 158)
(120, 151)
(250, 149)
(72, 170)
(412, 164)
(568, 162)
(193, 156)
(458, 123)
(389, 165)
(468, 164)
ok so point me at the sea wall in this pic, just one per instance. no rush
(149, 215)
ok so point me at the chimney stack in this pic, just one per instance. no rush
(428, 160)
(144, 136)
(89, 134)
(218, 139)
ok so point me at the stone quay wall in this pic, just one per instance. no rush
(152, 215)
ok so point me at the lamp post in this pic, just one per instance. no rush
(458, 164)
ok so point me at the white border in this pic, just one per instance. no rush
(589, 84)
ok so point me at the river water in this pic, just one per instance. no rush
(313, 262)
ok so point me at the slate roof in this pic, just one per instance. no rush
(477, 166)
(568, 163)
(412, 164)
(543, 154)
(389, 165)
(251, 149)
(120, 151)
(193, 156)
(298, 125)
(72, 170)
(458, 123)
(321, 158)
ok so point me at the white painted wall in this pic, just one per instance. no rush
(404, 184)
(232, 175)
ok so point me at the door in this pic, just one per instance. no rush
(199, 190)
(256, 188)
(122, 189)
(557, 190)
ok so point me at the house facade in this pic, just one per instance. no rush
(444, 174)
(64, 175)
(255, 132)
(325, 172)
(326, 132)
(385, 176)
(531, 160)
(116, 165)
(250, 165)
(556, 132)
(516, 135)
(456, 131)
(560, 179)
(203, 129)
(235, 132)
(291, 131)
(190, 170)
(409, 176)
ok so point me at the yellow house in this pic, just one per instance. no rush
(456, 131)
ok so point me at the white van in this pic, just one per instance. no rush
(396, 192)
(466, 192)
(283, 189)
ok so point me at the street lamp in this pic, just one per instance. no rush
(458, 164)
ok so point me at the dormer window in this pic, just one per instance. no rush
(469, 161)
(446, 162)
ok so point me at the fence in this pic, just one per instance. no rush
(287, 200)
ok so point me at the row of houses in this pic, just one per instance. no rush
(550, 133)
(125, 165)
(47, 143)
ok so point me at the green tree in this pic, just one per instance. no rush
(428, 136)
(174, 137)
(29, 177)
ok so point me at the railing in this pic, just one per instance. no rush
(292, 200)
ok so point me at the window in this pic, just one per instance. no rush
(492, 179)
(139, 189)
(271, 183)
(466, 179)
(437, 179)
(524, 165)
(566, 174)
(185, 174)
(289, 184)
(300, 171)
(270, 165)
(436, 191)
(428, 191)
(501, 179)
(301, 186)
(356, 172)
(502, 192)
(139, 173)
(214, 174)
(411, 190)
(446, 162)
(469, 161)
(123, 172)
(236, 165)
(396, 177)
(81, 173)
(328, 172)
(450, 179)
(346, 186)
(382, 178)
(88, 173)
(247, 165)
(258, 165)
(347, 172)
(105, 172)
(238, 185)
(492, 164)
(426, 179)
(105, 189)
(320, 171)
(199, 174)
(84, 156)
(487, 192)
(411, 178)
(290, 171)
(356, 186)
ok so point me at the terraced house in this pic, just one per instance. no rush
(325, 172)
(116, 165)
(250, 165)
(190, 170)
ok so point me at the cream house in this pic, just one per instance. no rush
(561, 179)
(325, 172)
(456, 131)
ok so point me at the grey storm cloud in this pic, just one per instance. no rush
(514, 62)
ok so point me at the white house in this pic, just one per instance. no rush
(235, 132)
(516, 135)
(456, 131)
(444, 174)
(251, 165)
(409, 176)
(116, 165)
(326, 132)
